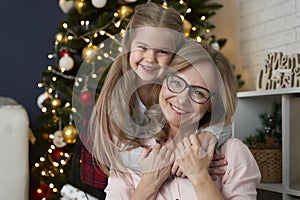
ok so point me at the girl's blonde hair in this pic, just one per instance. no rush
(106, 133)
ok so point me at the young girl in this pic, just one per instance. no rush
(201, 93)
(150, 41)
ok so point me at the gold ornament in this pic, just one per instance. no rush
(187, 26)
(70, 134)
(55, 102)
(124, 11)
(80, 5)
(89, 53)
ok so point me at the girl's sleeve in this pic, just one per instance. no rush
(119, 188)
(242, 174)
(221, 133)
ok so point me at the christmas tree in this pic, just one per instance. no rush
(90, 36)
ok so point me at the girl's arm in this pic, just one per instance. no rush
(155, 166)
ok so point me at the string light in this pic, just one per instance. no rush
(40, 85)
(42, 159)
(181, 1)
(51, 136)
(188, 10)
(36, 164)
(49, 68)
(203, 18)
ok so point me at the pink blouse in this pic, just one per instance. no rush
(239, 182)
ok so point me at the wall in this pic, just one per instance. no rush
(266, 26)
(27, 36)
(255, 28)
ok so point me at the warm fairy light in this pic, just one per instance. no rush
(74, 110)
(50, 56)
(203, 18)
(51, 185)
(181, 2)
(53, 111)
(59, 37)
(165, 5)
(182, 17)
(194, 28)
(67, 104)
(44, 198)
(44, 109)
(99, 57)
(207, 30)
(199, 39)
(94, 75)
(188, 10)
(117, 24)
(61, 171)
(40, 85)
(55, 164)
(79, 79)
(120, 49)
(36, 164)
(62, 69)
(65, 25)
(82, 23)
(101, 45)
(49, 68)
(52, 146)
(49, 150)
(39, 191)
(122, 31)
(43, 173)
(95, 35)
(50, 90)
(42, 159)
(102, 32)
(76, 84)
(87, 22)
(116, 14)
(55, 190)
(67, 155)
(87, 40)
(70, 37)
(110, 52)
(63, 162)
(105, 55)
(54, 78)
(51, 136)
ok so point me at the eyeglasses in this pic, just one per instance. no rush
(177, 85)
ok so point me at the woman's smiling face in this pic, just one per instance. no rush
(179, 109)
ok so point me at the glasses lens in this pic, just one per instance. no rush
(199, 95)
(176, 84)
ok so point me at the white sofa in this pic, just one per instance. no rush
(14, 165)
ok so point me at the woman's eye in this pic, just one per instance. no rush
(141, 47)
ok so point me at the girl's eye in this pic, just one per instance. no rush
(164, 52)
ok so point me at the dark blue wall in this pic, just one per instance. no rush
(27, 36)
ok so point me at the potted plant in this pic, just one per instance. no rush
(265, 145)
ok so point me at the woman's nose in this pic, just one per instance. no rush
(183, 96)
(150, 55)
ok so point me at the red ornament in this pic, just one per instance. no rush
(86, 97)
(57, 154)
(40, 192)
(65, 52)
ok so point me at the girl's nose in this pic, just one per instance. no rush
(150, 55)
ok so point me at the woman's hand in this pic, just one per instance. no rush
(156, 164)
(194, 158)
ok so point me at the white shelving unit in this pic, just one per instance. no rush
(250, 105)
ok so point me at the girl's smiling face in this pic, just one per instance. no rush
(179, 108)
(152, 50)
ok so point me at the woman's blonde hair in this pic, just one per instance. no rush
(223, 101)
(106, 133)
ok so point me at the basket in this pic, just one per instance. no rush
(270, 164)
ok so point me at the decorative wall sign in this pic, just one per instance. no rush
(280, 71)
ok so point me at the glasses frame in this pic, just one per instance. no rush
(190, 87)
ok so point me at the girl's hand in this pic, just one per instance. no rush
(216, 166)
(194, 158)
(156, 164)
